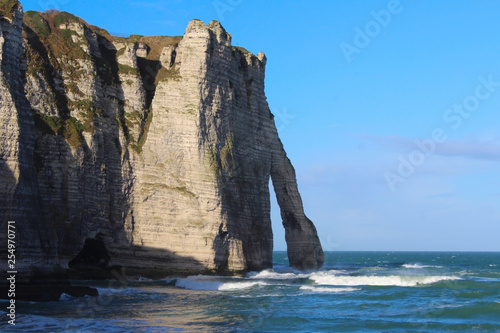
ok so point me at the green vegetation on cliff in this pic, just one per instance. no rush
(56, 41)
(89, 111)
(128, 70)
(168, 74)
(222, 159)
(64, 17)
(58, 51)
(37, 23)
(144, 135)
(131, 120)
(70, 128)
(72, 132)
(50, 125)
(226, 152)
(6, 7)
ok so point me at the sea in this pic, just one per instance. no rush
(353, 292)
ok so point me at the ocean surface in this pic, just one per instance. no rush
(354, 292)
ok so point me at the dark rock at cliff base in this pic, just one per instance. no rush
(89, 272)
(51, 290)
(94, 254)
(46, 288)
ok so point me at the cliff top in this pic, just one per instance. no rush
(155, 43)
(6, 7)
(47, 27)
(55, 30)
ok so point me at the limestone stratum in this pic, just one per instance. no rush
(164, 146)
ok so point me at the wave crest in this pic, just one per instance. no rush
(197, 283)
(367, 280)
(328, 289)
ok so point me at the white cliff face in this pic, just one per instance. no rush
(167, 149)
(19, 200)
(10, 127)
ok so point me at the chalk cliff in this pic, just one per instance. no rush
(164, 145)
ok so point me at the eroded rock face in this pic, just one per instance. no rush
(164, 145)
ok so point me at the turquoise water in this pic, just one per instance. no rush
(354, 292)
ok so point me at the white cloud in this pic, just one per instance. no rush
(467, 148)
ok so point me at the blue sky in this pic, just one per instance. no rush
(389, 110)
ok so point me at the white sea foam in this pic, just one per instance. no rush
(240, 285)
(272, 275)
(486, 279)
(200, 283)
(65, 297)
(328, 289)
(370, 280)
(420, 266)
(445, 306)
(465, 272)
(118, 291)
(257, 295)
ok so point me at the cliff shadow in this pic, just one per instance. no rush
(35, 234)
(148, 69)
(96, 260)
(7, 186)
(56, 144)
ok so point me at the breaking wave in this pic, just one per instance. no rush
(324, 278)
(212, 283)
(420, 266)
(328, 289)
